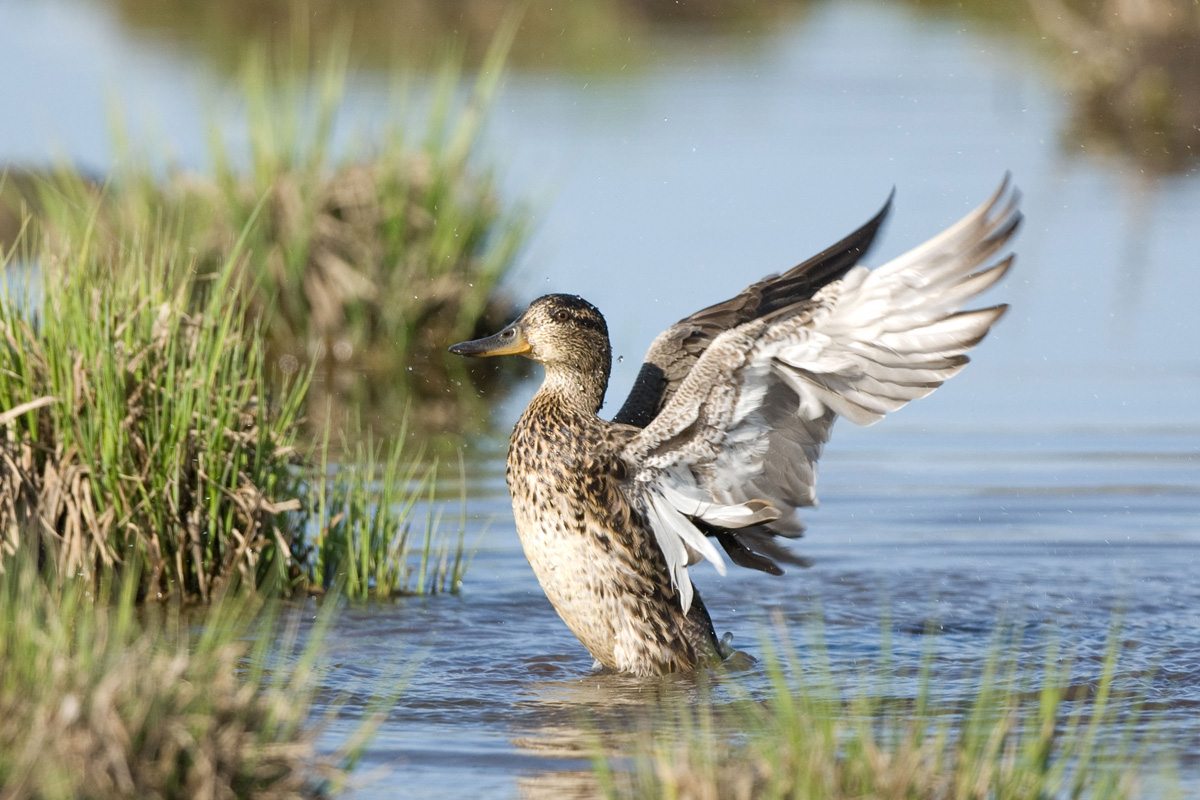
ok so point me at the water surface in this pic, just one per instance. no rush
(944, 534)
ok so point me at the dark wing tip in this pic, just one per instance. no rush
(837, 259)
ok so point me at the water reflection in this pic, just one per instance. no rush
(434, 403)
(917, 550)
(1132, 68)
(1135, 68)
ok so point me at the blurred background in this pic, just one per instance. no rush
(668, 153)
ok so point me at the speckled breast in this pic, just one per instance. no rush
(593, 560)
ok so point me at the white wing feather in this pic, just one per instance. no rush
(737, 444)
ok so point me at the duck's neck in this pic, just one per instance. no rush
(576, 388)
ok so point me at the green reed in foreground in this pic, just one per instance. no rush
(141, 447)
(102, 700)
(365, 508)
(150, 437)
(821, 736)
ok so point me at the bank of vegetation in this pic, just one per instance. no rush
(103, 697)
(159, 335)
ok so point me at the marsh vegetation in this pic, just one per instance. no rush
(106, 698)
(1034, 724)
(159, 334)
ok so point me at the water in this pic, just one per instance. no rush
(1063, 532)
(1055, 482)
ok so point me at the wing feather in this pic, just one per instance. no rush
(675, 351)
(733, 450)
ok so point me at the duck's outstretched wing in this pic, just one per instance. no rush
(675, 351)
(735, 447)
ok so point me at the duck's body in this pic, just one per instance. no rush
(721, 433)
(592, 551)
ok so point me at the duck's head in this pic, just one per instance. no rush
(556, 329)
(564, 332)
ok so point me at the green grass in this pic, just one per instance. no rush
(367, 256)
(155, 378)
(365, 509)
(140, 433)
(157, 441)
(101, 699)
(143, 454)
(149, 448)
(1021, 733)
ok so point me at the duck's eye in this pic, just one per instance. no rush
(561, 315)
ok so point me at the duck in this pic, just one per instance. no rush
(718, 441)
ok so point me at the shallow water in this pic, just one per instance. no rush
(944, 534)
(1054, 483)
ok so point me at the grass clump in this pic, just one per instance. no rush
(146, 445)
(387, 257)
(1044, 734)
(101, 700)
(366, 536)
(143, 454)
(149, 436)
(140, 434)
(377, 259)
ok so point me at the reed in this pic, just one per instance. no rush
(371, 541)
(140, 434)
(139, 429)
(1019, 733)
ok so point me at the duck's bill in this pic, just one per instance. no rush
(508, 342)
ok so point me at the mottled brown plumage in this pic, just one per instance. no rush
(721, 435)
(594, 554)
(592, 551)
